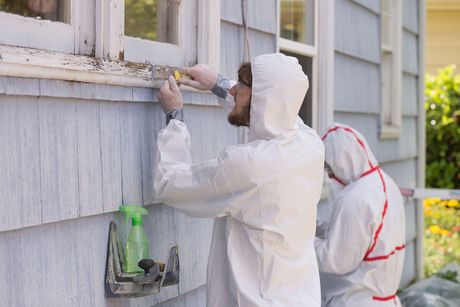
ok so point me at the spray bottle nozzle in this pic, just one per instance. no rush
(133, 212)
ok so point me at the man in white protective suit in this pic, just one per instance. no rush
(361, 252)
(263, 194)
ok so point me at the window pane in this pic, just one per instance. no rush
(305, 111)
(298, 20)
(154, 20)
(54, 10)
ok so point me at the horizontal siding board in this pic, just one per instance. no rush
(357, 31)
(19, 86)
(404, 172)
(58, 155)
(46, 88)
(384, 150)
(410, 103)
(357, 85)
(410, 53)
(410, 15)
(262, 14)
(89, 158)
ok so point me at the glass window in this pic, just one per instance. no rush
(154, 20)
(54, 10)
(297, 20)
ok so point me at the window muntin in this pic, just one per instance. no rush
(52, 10)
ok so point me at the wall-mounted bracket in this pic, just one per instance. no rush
(121, 284)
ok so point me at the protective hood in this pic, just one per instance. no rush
(347, 153)
(278, 89)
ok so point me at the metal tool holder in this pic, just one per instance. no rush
(156, 275)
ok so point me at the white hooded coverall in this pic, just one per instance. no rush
(263, 195)
(361, 255)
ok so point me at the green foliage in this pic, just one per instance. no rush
(442, 105)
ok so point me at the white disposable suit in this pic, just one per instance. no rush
(263, 195)
(361, 255)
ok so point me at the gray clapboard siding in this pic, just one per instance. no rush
(262, 14)
(20, 163)
(384, 150)
(357, 31)
(19, 86)
(408, 274)
(41, 269)
(411, 222)
(58, 155)
(410, 15)
(410, 53)
(403, 171)
(357, 85)
(409, 95)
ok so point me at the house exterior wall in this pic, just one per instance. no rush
(72, 152)
(357, 96)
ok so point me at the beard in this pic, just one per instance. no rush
(241, 117)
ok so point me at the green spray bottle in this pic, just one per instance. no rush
(137, 245)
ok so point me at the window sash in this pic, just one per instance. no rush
(390, 68)
(34, 33)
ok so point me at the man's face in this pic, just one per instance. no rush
(239, 116)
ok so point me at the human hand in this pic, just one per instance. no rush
(170, 97)
(203, 77)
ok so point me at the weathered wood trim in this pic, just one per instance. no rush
(421, 139)
(33, 33)
(326, 65)
(40, 64)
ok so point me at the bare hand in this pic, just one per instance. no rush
(170, 97)
(203, 77)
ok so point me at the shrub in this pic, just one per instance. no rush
(442, 105)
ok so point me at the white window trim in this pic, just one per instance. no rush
(19, 61)
(29, 32)
(392, 130)
(322, 54)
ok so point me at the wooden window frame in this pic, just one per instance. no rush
(44, 61)
(391, 72)
(322, 54)
(74, 37)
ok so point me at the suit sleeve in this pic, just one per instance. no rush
(347, 239)
(197, 189)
